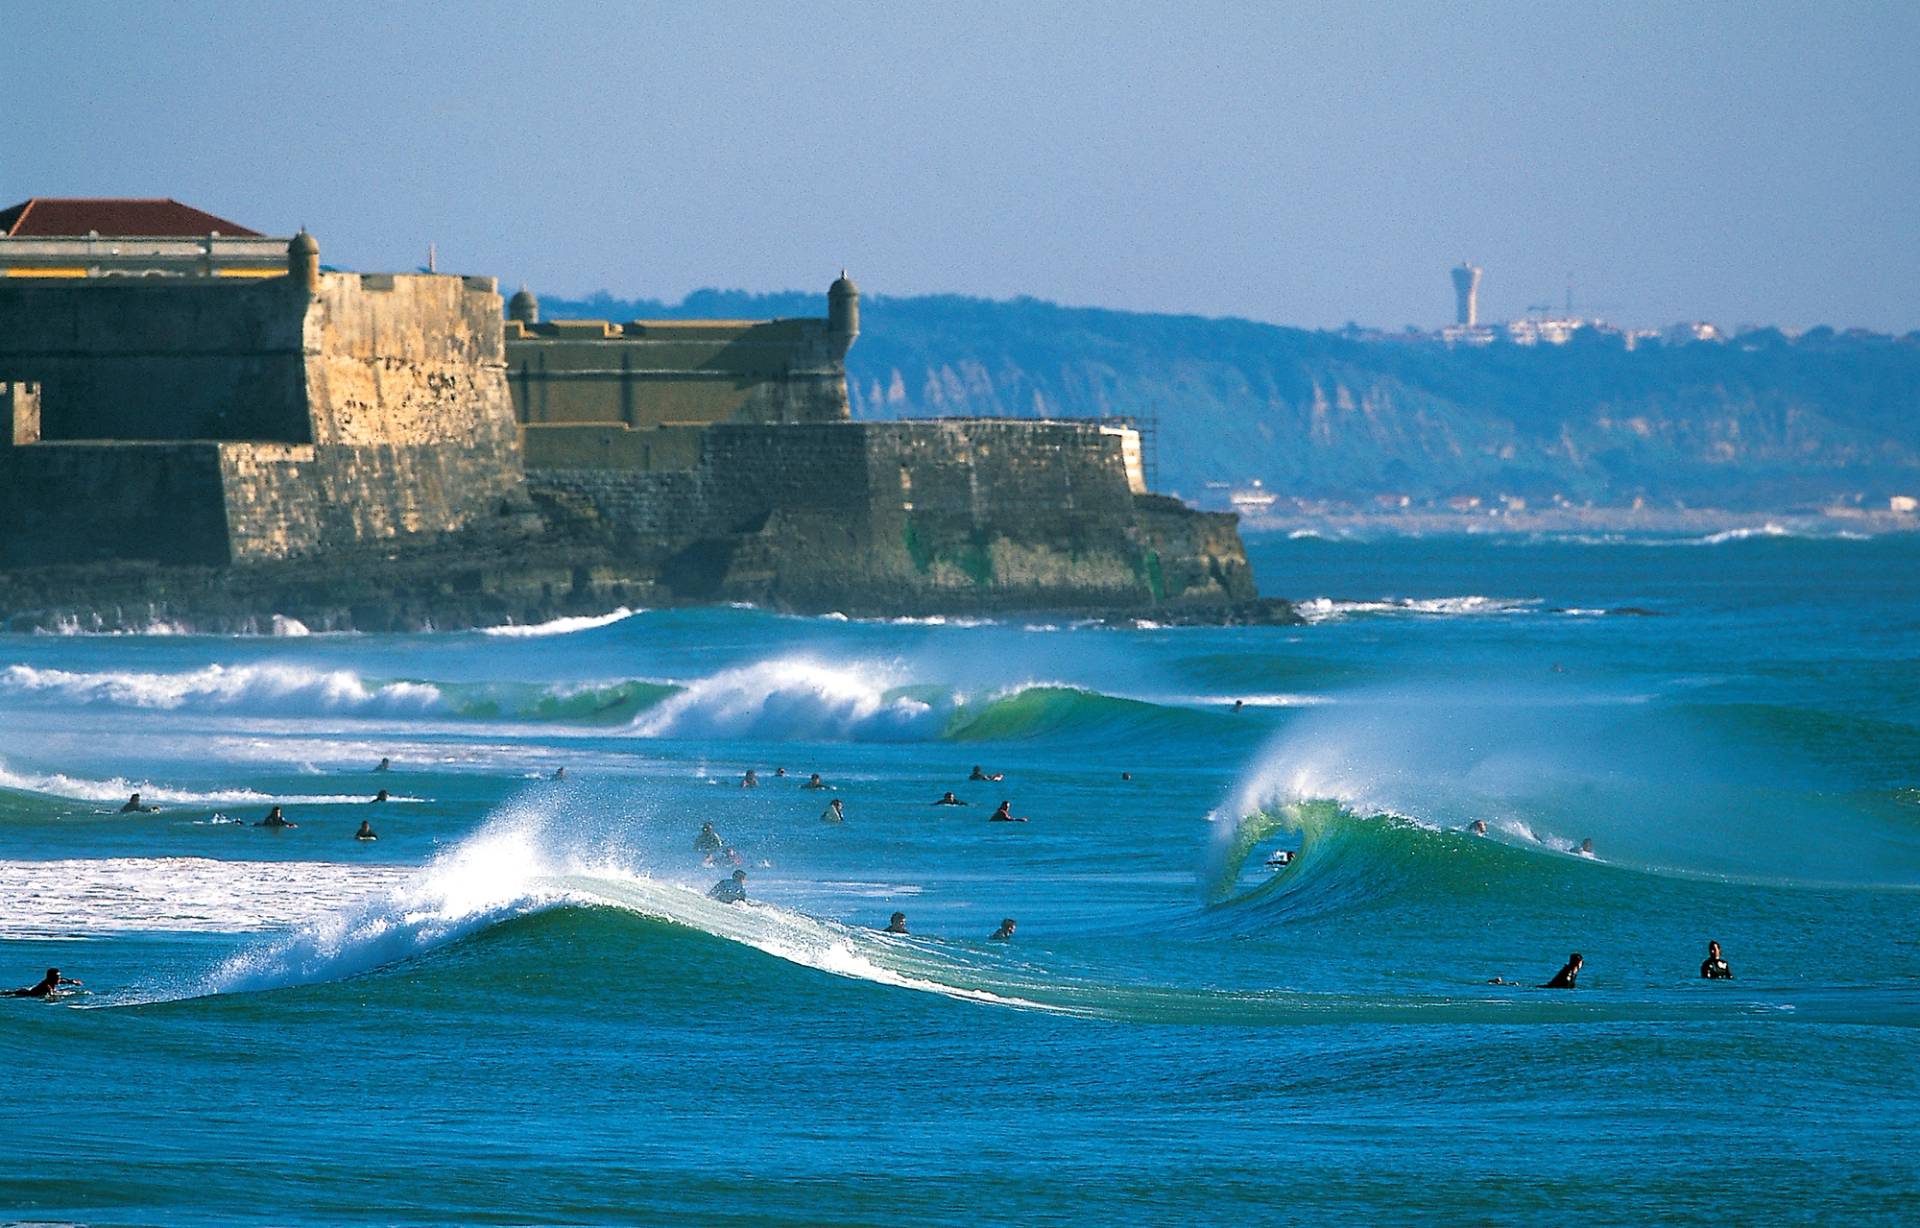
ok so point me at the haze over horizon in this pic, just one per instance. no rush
(1725, 162)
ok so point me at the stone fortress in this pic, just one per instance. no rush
(164, 411)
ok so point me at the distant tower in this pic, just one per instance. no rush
(524, 307)
(303, 261)
(1466, 293)
(843, 313)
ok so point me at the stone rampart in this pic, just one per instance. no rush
(646, 374)
(405, 361)
(916, 516)
(83, 502)
(163, 359)
(312, 413)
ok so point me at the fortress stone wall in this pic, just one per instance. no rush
(721, 455)
(916, 516)
(214, 420)
(202, 420)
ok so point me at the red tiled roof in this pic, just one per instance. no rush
(46, 216)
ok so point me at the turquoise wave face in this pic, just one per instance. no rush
(520, 1003)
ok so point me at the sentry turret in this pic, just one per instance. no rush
(843, 313)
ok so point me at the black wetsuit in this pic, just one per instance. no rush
(728, 891)
(1564, 979)
(1715, 970)
(707, 842)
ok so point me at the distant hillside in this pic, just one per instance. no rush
(1762, 423)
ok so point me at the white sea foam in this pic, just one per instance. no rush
(562, 626)
(192, 894)
(269, 689)
(1769, 529)
(116, 789)
(1325, 609)
(93, 624)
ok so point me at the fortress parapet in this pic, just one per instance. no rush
(595, 387)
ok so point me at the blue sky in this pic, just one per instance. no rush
(1299, 164)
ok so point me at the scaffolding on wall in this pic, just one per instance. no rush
(1147, 425)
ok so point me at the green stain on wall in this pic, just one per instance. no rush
(917, 550)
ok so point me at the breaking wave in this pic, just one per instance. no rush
(561, 626)
(796, 698)
(294, 690)
(270, 689)
(804, 699)
(792, 698)
(523, 877)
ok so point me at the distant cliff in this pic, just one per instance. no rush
(1759, 423)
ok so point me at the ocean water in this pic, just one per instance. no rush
(519, 1005)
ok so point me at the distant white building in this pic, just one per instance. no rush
(1690, 331)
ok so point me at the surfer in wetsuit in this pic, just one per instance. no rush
(814, 782)
(948, 799)
(708, 841)
(977, 774)
(779, 772)
(378, 798)
(751, 780)
(896, 924)
(1479, 827)
(836, 812)
(48, 988)
(1239, 704)
(1586, 847)
(559, 773)
(133, 806)
(366, 831)
(385, 765)
(1565, 978)
(1004, 932)
(1713, 967)
(731, 890)
(276, 820)
(1005, 815)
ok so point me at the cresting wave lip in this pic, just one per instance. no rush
(507, 870)
(561, 626)
(808, 699)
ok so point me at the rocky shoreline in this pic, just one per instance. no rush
(518, 570)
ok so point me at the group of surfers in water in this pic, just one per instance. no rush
(733, 889)
(277, 819)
